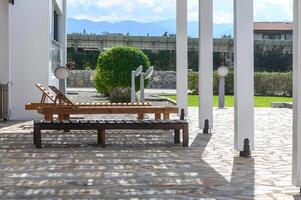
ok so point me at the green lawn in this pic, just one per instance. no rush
(229, 100)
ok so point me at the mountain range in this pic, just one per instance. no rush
(141, 29)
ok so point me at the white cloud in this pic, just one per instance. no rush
(273, 10)
(222, 17)
(118, 10)
(154, 10)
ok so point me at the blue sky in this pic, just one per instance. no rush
(156, 10)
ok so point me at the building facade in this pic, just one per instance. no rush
(273, 30)
(33, 40)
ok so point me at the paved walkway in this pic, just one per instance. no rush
(146, 164)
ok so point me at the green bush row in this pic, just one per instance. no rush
(265, 84)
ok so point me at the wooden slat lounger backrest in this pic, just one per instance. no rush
(45, 92)
(61, 97)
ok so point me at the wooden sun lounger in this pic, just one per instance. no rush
(35, 106)
(65, 112)
(102, 125)
(63, 107)
(46, 94)
(61, 100)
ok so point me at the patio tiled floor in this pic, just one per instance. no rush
(146, 165)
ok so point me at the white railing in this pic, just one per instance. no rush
(57, 54)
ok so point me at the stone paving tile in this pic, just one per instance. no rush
(147, 165)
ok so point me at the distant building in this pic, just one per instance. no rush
(273, 31)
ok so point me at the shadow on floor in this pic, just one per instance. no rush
(242, 184)
(6, 124)
(298, 197)
(243, 177)
(136, 164)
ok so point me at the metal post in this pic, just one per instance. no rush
(2, 101)
(206, 128)
(246, 153)
(62, 85)
(221, 98)
(142, 100)
(133, 90)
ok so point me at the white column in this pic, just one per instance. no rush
(297, 95)
(4, 41)
(205, 62)
(182, 55)
(63, 40)
(244, 73)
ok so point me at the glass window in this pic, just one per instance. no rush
(267, 37)
(277, 37)
(289, 36)
(55, 26)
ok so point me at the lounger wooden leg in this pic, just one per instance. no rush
(38, 139)
(48, 117)
(177, 136)
(64, 117)
(185, 136)
(61, 116)
(99, 133)
(157, 115)
(34, 135)
(101, 137)
(141, 116)
(166, 116)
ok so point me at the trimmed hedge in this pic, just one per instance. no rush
(265, 84)
(114, 67)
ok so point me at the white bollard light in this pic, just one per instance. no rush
(62, 73)
(143, 77)
(222, 72)
(133, 88)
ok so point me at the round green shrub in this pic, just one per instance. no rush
(114, 67)
(120, 95)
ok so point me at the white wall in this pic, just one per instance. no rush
(4, 41)
(30, 52)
